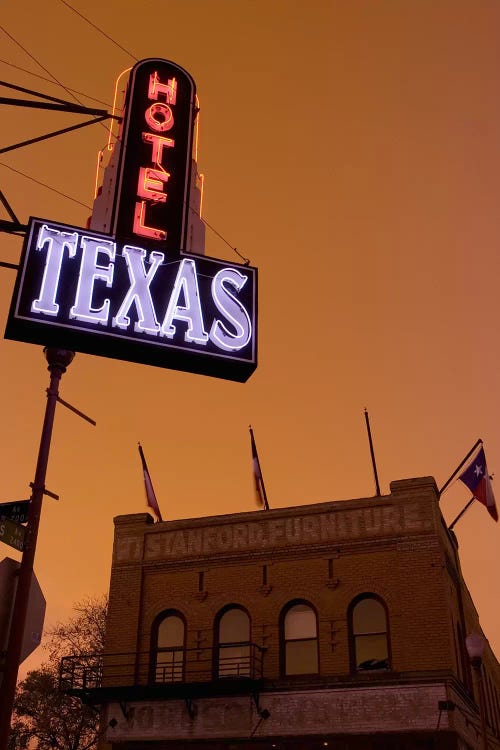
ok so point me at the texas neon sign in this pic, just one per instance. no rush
(85, 291)
(135, 294)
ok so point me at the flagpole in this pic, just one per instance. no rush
(452, 524)
(372, 454)
(469, 454)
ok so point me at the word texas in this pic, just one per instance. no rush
(165, 310)
(99, 294)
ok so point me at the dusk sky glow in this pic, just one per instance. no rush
(351, 151)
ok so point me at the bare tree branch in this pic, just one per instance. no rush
(44, 718)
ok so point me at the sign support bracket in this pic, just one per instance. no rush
(47, 492)
(76, 411)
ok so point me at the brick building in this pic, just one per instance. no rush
(331, 626)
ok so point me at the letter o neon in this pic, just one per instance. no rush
(162, 109)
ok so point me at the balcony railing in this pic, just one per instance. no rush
(228, 668)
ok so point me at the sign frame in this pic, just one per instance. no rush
(171, 141)
(176, 352)
(16, 510)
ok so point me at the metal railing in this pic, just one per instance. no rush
(229, 661)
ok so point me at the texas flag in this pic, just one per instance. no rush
(477, 479)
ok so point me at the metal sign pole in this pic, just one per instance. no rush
(58, 360)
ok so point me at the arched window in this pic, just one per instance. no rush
(233, 642)
(369, 635)
(169, 632)
(299, 628)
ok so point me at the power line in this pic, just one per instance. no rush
(214, 230)
(53, 83)
(113, 41)
(99, 30)
(43, 184)
(39, 64)
(75, 200)
(71, 93)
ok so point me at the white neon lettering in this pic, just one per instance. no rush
(90, 272)
(166, 120)
(233, 311)
(187, 283)
(139, 226)
(158, 143)
(169, 90)
(139, 291)
(56, 242)
(150, 184)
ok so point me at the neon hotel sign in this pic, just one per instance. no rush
(135, 294)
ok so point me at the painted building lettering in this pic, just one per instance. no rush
(283, 532)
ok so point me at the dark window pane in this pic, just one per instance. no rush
(300, 622)
(301, 657)
(169, 666)
(369, 617)
(234, 629)
(171, 632)
(234, 626)
(234, 661)
(371, 651)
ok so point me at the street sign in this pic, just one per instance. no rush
(36, 608)
(15, 511)
(12, 534)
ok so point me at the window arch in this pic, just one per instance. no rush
(299, 639)
(232, 630)
(368, 633)
(168, 647)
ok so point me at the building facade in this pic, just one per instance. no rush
(333, 626)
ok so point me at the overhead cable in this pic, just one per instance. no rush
(39, 64)
(75, 200)
(43, 184)
(99, 30)
(53, 83)
(246, 261)
(69, 91)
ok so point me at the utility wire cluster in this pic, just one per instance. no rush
(53, 80)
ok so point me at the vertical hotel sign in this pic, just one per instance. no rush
(152, 197)
(135, 294)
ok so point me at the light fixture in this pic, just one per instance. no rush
(475, 644)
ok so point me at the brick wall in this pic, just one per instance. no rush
(396, 547)
(326, 554)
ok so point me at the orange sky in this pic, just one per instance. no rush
(351, 151)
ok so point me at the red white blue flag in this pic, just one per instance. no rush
(477, 479)
(150, 493)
